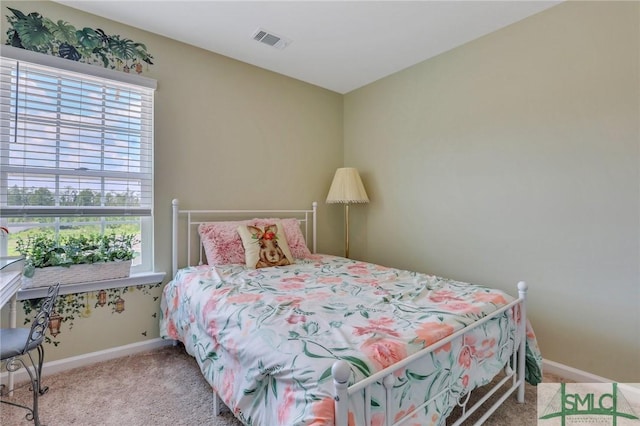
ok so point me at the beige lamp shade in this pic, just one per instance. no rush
(347, 187)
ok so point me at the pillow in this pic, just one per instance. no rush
(265, 246)
(292, 231)
(221, 242)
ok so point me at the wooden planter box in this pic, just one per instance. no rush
(78, 274)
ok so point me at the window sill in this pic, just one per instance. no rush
(136, 279)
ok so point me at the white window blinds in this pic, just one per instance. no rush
(72, 144)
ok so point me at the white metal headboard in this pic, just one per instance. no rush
(194, 218)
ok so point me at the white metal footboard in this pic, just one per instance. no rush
(515, 373)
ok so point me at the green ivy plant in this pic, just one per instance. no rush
(45, 249)
(35, 32)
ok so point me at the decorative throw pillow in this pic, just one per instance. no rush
(265, 246)
(293, 233)
(221, 242)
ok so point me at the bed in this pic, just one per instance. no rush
(328, 340)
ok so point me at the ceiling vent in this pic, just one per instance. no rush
(270, 39)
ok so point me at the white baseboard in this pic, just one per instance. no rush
(58, 366)
(570, 373)
(65, 364)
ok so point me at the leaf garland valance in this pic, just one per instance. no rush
(93, 46)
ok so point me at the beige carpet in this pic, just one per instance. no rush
(162, 387)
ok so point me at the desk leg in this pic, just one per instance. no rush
(12, 323)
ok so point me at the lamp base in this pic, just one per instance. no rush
(346, 230)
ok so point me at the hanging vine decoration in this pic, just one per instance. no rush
(72, 307)
(68, 307)
(115, 299)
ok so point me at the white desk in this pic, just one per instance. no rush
(10, 273)
(10, 281)
(9, 286)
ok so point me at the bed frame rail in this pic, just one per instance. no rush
(341, 372)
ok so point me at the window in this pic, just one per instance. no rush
(76, 153)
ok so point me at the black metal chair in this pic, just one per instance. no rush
(16, 344)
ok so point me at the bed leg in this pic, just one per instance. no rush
(522, 292)
(217, 404)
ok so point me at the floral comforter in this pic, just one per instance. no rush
(266, 339)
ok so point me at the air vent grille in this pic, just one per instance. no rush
(270, 39)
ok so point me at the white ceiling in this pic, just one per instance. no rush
(338, 45)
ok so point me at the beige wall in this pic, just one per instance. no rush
(516, 157)
(227, 135)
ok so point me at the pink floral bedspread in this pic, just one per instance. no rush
(266, 339)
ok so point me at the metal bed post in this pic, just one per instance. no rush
(174, 237)
(341, 372)
(315, 209)
(387, 382)
(522, 292)
(217, 404)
